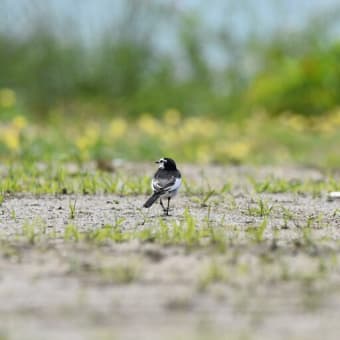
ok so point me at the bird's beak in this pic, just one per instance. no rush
(157, 162)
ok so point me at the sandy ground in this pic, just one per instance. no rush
(285, 286)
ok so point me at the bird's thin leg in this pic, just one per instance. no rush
(167, 209)
(162, 205)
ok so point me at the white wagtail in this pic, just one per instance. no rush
(165, 183)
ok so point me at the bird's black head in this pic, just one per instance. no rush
(167, 163)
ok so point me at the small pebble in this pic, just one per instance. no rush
(333, 195)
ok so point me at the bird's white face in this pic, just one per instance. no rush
(161, 163)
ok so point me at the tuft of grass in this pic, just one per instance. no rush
(262, 209)
(28, 232)
(13, 214)
(288, 216)
(206, 197)
(33, 232)
(257, 233)
(71, 233)
(72, 209)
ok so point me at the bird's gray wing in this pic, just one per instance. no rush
(163, 184)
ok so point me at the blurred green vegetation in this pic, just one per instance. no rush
(123, 72)
(272, 99)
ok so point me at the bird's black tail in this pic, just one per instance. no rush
(151, 200)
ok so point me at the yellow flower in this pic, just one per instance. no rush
(117, 128)
(11, 138)
(82, 143)
(335, 117)
(88, 138)
(198, 127)
(296, 122)
(326, 126)
(19, 122)
(203, 154)
(172, 117)
(148, 124)
(7, 98)
(92, 133)
(236, 151)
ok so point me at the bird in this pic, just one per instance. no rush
(165, 183)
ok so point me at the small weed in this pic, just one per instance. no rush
(206, 197)
(226, 188)
(258, 232)
(71, 233)
(29, 233)
(287, 216)
(191, 236)
(232, 203)
(263, 209)
(13, 214)
(312, 221)
(72, 208)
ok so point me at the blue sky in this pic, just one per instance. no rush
(93, 16)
